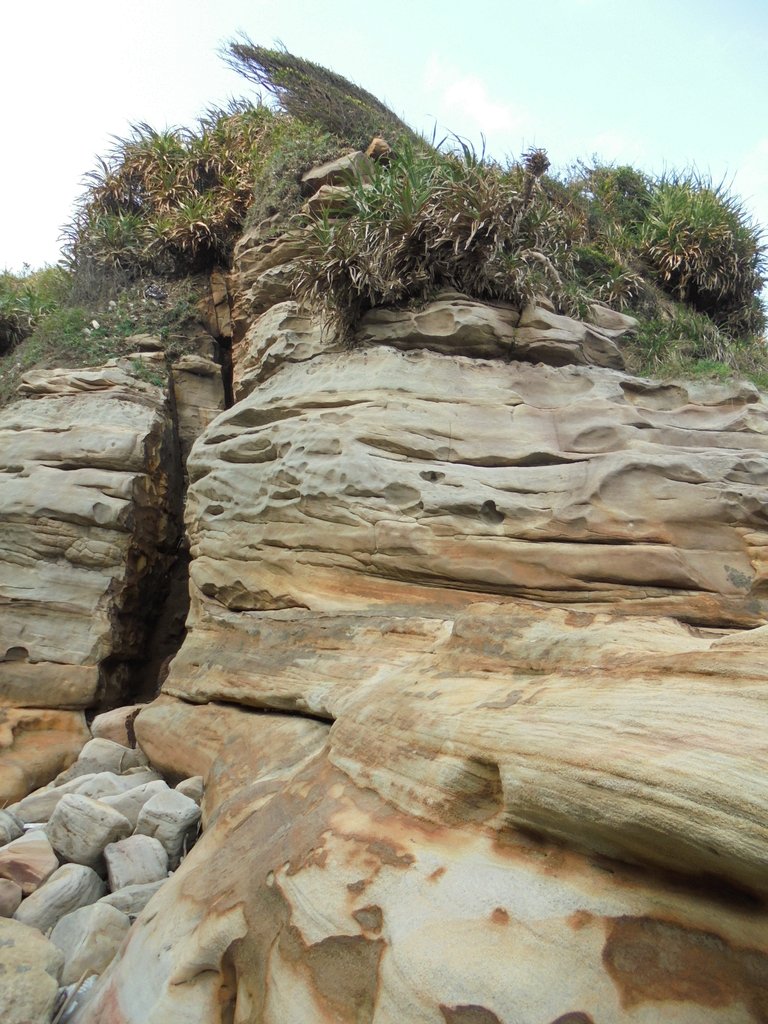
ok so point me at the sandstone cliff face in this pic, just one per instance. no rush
(476, 674)
(349, 479)
(475, 671)
(91, 466)
(86, 527)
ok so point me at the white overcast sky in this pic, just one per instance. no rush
(657, 83)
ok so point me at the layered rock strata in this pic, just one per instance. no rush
(375, 477)
(476, 676)
(91, 466)
(476, 679)
(84, 512)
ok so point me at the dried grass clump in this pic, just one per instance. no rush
(315, 95)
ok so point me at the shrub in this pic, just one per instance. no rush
(609, 203)
(686, 343)
(613, 197)
(25, 299)
(706, 251)
(291, 149)
(169, 202)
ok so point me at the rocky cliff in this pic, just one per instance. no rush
(475, 665)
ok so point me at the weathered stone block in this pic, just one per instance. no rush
(170, 817)
(68, 888)
(81, 827)
(135, 861)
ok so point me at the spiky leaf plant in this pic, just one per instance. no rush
(170, 201)
(433, 220)
(706, 251)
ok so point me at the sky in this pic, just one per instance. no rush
(661, 84)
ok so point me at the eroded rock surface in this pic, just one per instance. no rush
(86, 527)
(372, 478)
(312, 899)
(82, 507)
(474, 680)
(456, 325)
(35, 745)
(476, 674)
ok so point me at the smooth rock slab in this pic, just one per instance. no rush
(198, 391)
(28, 861)
(169, 817)
(30, 967)
(10, 897)
(48, 685)
(81, 827)
(135, 860)
(70, 887)
(89, 938)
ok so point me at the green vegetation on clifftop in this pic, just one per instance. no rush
(678, 252)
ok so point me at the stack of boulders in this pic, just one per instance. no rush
(79, 859)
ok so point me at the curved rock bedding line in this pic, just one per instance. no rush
(374, 477)
(639, 738)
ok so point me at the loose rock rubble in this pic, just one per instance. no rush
(79, 859)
